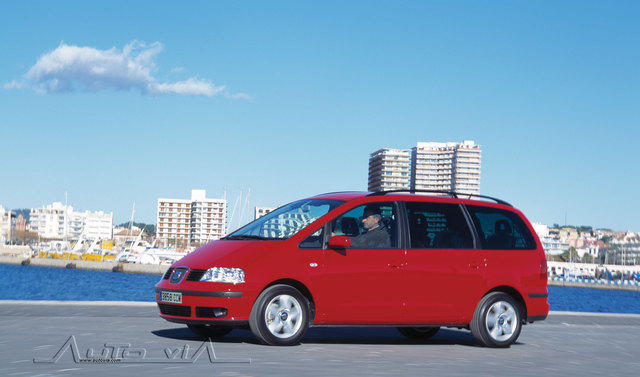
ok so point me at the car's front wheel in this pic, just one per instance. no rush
(210, 331)
(280, 316)
(497, 321)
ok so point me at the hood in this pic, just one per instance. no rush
(223, 253)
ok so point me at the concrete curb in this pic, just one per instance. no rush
(150, 269)
(77, 303)
(593, 314)
(580, 284)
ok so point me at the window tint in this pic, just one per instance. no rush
(314, 240)
(438, 226)
(287, 220)
(370, 226)
(501, 230)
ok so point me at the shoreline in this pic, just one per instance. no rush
(594, 285)
(149, 269)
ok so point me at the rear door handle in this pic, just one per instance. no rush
(477, 264)
(396, 265)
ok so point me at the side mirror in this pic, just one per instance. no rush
(339, 242)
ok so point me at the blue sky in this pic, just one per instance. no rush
(550, 90)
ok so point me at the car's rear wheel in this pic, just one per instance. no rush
(418, 332)
(210, 331)
(497, 321)
(280, 316)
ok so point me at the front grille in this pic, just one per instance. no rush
(177, 310)
(195, 275)
(203, 312)
(168, 273)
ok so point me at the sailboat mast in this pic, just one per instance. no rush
(133, 210)
(66, 219)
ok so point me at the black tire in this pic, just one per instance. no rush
(258, 317)
(507, 330)
(210, 331)
(419, 333)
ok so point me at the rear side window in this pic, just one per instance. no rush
(501, 230)
(438, 226)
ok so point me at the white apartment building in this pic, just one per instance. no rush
(261, 211)
(196, 220)
(446, 166)
(51, 221)
(60, 221)
(5, 225)
(97, 224)
(389, 169)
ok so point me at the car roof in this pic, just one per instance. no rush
(353, 195)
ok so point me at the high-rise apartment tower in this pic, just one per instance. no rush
(427, 166)
(196, 220)
(446, 166)
(389, 169)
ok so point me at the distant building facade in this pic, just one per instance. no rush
(196, 220)
(96, 224)
(450, 166)
(389, 169)
(122, 235)
(20, 223)
(446, 166)
(5, 225)
(261, 211)
(58, 221)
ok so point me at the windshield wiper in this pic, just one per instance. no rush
(245, 237)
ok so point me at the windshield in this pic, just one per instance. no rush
(286, 220)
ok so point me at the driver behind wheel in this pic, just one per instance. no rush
(375, 236)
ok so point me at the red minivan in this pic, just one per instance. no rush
(396, 258)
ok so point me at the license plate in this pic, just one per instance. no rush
(174, 297)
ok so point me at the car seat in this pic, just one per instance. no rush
(389, 224)
(502, 237)
(448, 239)
(349, 226)
(418, 227)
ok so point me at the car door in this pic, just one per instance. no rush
(443, 269)
(509, 249)
(362, 284)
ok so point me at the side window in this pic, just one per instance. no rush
(314, 240)
(438, 226)
(501, 230)
(370, 226)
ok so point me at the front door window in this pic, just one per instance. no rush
(370, 226)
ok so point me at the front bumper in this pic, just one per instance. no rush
(218, 303)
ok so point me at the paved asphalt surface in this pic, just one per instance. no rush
(565, 344)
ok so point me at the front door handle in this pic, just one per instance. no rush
(391, 265)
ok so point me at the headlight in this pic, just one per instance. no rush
(223, 275)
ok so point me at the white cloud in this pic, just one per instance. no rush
(192, 86)
(13, 85)
(239, 96)
(72, 68)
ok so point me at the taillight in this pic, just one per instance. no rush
(543, 269)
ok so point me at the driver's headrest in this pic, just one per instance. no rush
(349, 226)
(418, 221)
(502, 227)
